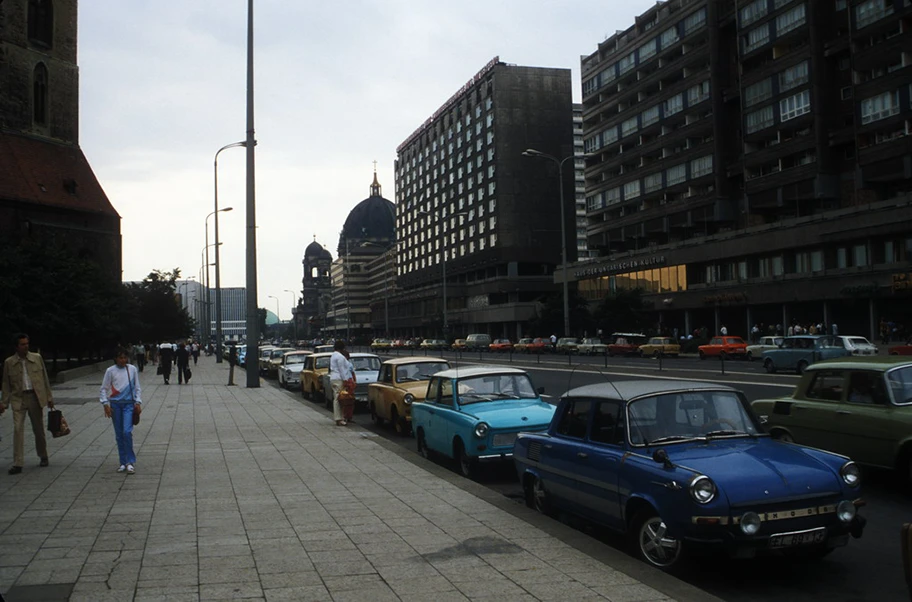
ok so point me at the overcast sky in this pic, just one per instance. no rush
(338, 85)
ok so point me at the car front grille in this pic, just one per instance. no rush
(503, 439)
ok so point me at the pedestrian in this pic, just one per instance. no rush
(195, 351)
(347, 395)
(553, 342)
(139, 356)
(183, 363)
(232, 361)
(723, 331)
(755, 333)
(27, 388)
(339, 372)
(165, 358)
(834, 329)
(121, 396)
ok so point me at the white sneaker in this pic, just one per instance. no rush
(130, 469)
(122, 468)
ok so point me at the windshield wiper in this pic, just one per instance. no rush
(727, 432)
(676, 438)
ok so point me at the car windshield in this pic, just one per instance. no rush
(859, 341)
(418, 371)
(294, 359)
(321, 362)
(366, 364)
(900, 381)
(495, 387)
(689, 415)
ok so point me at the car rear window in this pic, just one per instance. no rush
(826, 385)
(900, 380)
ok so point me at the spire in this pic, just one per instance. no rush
(375, 187)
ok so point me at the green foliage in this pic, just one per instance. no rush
(158, 314)
(550, 317)
(623, 311)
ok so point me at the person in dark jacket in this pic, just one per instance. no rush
(183, 363)
(165, 357)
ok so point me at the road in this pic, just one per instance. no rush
(868, 569)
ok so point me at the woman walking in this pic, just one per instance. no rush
(121, 396)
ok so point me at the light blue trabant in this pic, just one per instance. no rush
(474, 414)
(800, 351)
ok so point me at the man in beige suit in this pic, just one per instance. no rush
(27, 389)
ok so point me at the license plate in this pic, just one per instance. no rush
(798, 538)
(503, 440)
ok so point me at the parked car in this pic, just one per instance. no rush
(501, 345)
(312, 383)
(477, 342)
(567, 345)
(367, 369)
(591, 346)
(901, 349)
(763, 344)
(800, 351)
(657, 346)
(474, 414)
(626, 343)
(401, 382)
(459, 345)
(681, 465)
(856, 406)
(274, 360)
(724, 347)
(433, 345)
(857, 345)
(380, 345)
(328, 348)
(263, 358)
(531, 345)
(290, 370)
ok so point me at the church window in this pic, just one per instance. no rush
(40, 95)
(40, 22)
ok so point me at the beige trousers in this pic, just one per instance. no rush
(36, 415)
(337, 409)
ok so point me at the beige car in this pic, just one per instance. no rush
(402, 381)
(274, 361)
(316, 366)
(657, 346)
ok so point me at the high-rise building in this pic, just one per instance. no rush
(234, 313)
(477, 215)
(752, 162)
(579, 180)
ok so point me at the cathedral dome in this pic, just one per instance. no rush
(314, 249)
(374, 218)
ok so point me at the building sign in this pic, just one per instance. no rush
(620, 267)
(902, 282)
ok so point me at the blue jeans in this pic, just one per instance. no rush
(122, 416)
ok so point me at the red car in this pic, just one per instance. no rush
(626, 343)
(501, 345)
(901, 349)
(726, 347)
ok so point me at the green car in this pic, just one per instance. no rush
(860, 407)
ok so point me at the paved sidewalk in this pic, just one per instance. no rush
(253, 494)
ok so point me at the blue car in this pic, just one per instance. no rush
(800, 351)
(680, 465)
(473, 415)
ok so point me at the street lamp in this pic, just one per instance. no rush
(294, 321)
(443, 251)
(218, 280)
(184, 285)
(277, 306)
(531, 152)
(208, 294)
(204, 264)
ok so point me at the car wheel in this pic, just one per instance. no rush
(537, 497)
(374, 416)
(702, 356)
(784, 436)
(400, 426)
(423, 449)
(652, 543)
(315, 396)
(749, 356)
(466, 464)
(769, 366)
(801, 367)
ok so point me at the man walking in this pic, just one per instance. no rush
(340, 370)
(27, 389)
(183, 363)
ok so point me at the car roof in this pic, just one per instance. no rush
(477, 371)
(627, 334)
(806, 336)
(871, 362)
(299, 352)
(321, 354)
(630, 389)
(413, 359)
(361, 354)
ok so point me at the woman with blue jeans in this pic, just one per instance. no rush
(121, 397)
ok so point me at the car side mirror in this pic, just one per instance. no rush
(540, 390)
(660, 456)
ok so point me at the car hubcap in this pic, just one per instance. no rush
(538, 495)
(657, 546)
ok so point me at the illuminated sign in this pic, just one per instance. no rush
(619, 267)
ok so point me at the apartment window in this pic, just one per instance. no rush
(845, 93)
(676, 175)
(701, 167)
(879, 107)
(610, 136)
(860, 255)
(698, 93)
(595, 202)
(816, 261)
(650, 116)
(669, 37)
(629, 126)
(627, 63)
(796, 105)
(757, 93)
(756, 37)
(842, 260)
(742, 270)
(489, 120)
(592, 144)
(793, 76)
(590, 85)
(652, 182)
(493, 240)
(778, 265)
(695, 21)
(675, 104)
(752, 12)
(631, 190)
(648, 50)
(802, 263)
(759, 120)
(612, 196)
(871, 11)
(790, 20)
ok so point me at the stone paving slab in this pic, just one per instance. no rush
(252, 494)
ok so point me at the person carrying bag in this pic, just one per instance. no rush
(121, 397)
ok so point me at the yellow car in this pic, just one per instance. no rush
(402, 382)
(657, 346)
(274, 361)
(316, 366)
(459, 345)
(381, 345)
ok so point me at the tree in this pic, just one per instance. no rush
(622, 311)
(159, 316)
(550, 317)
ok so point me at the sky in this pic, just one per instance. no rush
(338, 85)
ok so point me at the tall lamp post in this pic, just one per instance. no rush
(294, 321)
(206, 265)
(218, 280)
(206, 338)
(279, 320)
(443, 262)
(531, 152)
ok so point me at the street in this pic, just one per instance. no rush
(867, 569)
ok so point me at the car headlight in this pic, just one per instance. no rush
(481, 429)
(702, 489)
(850, 474)
(750, 523)
(408, 399)
(845, 511)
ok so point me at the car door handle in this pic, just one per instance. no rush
(582, 455)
